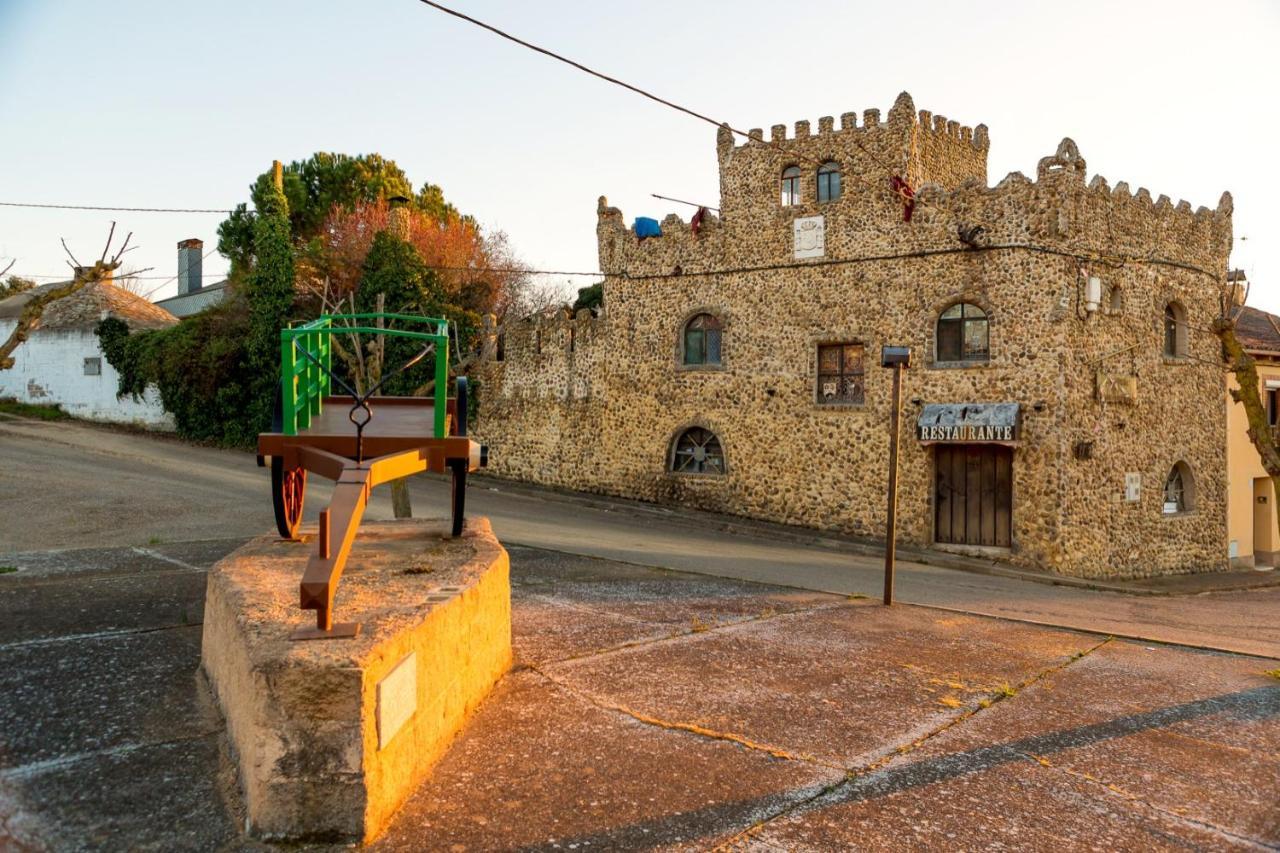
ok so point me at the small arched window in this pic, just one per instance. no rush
(702, 338)
(697, 451)
(1179, 490)
(1175, 331)
(829, 181)
(790, 186)
(1115, 304)
(963, 334)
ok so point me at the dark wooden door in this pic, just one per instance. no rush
(974, 494)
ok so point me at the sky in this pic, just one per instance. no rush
(163, 104)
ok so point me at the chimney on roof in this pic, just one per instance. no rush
(189, 259)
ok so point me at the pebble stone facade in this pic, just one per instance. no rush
(598, 401)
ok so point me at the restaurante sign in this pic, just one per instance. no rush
(969, 423)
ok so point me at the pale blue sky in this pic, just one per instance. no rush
(175, 104)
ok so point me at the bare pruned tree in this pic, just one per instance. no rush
(29, 320)
(1248, 393)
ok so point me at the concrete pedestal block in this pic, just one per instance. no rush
(331, 736)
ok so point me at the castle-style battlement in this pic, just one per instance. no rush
(1059, 209)
(903, 112)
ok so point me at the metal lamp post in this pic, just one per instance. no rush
(898, 359)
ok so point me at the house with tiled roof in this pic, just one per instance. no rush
(1254, 538)
(61, 362)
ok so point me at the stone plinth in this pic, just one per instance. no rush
(330, 736)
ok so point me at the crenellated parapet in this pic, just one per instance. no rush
(1060, 209)
(918, 145)
(555, 354)
(680, 244)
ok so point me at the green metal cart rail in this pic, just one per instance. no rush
(304, 384)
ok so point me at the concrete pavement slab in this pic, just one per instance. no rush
(1004, 802)
(148, 797)
(569, 606)
(841, 685)
(82, 697)
(1194, 734)
(540, 768)
(148, 600)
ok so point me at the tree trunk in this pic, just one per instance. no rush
(400, 498)
(1249, 395)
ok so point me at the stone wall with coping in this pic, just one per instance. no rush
(604, 417)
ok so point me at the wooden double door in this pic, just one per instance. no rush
(974, 494)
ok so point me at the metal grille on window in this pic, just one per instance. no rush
(791, 185)
(840, 374)
(698, 451)
(702, 339)
(828, 181)
(93, 367)
(963, 334)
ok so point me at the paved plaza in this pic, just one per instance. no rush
(650, 708)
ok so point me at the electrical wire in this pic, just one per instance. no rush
(923, 253)
(117, 209)
(889, 170)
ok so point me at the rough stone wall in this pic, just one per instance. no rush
(604, 419)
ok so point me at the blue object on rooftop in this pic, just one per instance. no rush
(646, 227)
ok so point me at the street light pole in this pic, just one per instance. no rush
(897, 358)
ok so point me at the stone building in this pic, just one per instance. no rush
(1062, 409)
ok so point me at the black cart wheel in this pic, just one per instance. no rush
(288, 491)
(458, 491)
(460, 412)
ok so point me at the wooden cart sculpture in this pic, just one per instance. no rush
(338, 437)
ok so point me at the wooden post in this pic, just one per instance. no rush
(891, 531)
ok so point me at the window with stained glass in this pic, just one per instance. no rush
(841, 373)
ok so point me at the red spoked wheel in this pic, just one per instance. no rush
(288, 491)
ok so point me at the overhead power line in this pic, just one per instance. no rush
(114, 209)
(889, 170)
(567, 61)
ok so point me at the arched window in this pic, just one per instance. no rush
(1115, 304)
(701, 344)
(829, 181)
(963, 334)
(1179, 490)
(697, 451)
(790, 186)
(1175, 331)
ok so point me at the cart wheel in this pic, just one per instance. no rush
(459, 494)
(288, 490)
(460, 408)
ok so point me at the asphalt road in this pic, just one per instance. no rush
(69, 485)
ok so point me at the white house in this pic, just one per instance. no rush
(62, 363)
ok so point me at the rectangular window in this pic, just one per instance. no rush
(93, 367)
(1271, 405)
(840, 374)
